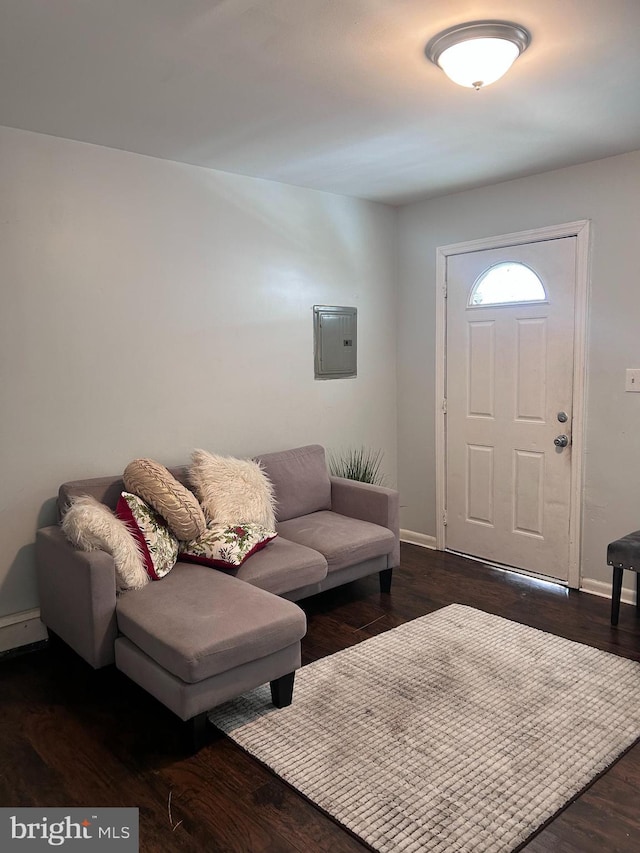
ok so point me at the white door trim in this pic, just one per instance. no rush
(580, 230)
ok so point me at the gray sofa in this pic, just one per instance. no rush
(201, 636)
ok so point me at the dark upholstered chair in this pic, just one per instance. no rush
(624, 554)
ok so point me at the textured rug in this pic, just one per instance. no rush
(459, 731)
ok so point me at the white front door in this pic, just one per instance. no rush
(509, 389)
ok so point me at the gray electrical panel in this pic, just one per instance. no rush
(335, 341)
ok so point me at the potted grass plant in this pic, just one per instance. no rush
(361, 463)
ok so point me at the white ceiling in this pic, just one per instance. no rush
(330, 94)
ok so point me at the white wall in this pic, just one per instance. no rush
(148, 307)
(608, 193)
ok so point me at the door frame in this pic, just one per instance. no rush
(581, 231)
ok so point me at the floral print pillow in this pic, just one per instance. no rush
(226, 546)
(157, 543)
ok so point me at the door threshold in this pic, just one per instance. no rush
(545, 579)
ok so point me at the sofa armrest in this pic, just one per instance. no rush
(369, 503)
(77, 592)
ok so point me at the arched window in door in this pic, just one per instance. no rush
(507, 283)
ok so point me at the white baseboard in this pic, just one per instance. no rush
(420, 539)
(21, 629)
(603, 589)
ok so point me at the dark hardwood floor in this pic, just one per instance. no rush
(70, 736)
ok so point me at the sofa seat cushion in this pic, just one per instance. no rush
(198, 622)
(343, 541)
(283, 566)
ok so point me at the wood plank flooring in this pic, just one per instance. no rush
(70, 736)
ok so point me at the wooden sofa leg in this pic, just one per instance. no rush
(616, 593)
(282, 690)
(385, 580)
(196, 734)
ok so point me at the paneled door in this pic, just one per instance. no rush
(509, 390)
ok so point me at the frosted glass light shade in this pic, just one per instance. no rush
(478, 62)
(478, 53)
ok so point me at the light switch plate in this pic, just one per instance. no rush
(632, 380)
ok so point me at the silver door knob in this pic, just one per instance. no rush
(561, 441)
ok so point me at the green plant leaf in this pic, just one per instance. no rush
(361, 464)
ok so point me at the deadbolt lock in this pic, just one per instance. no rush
(563, 417)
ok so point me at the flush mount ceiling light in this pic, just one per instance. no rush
(478, 53)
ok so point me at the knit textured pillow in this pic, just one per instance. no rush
(232, 491)
(91, 526)
(157, 543)
(170, 499)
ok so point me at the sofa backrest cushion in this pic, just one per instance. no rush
(300, 480)
(107, 490)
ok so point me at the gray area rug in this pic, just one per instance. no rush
(459, 731)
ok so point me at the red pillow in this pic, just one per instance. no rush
(158, 544)
(226, 546)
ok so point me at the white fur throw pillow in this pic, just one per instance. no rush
(232, 491)
(91, 526)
